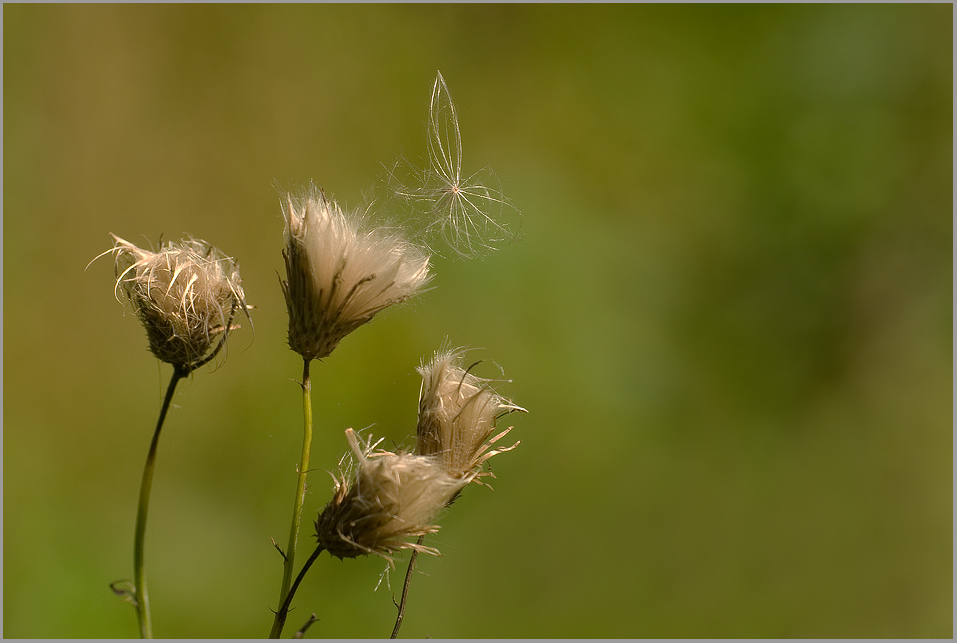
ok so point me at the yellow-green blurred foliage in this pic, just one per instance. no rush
(730, 315)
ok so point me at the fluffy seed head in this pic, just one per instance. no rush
(339, 273)
(388, 501)
(186, 294)
(457, 415)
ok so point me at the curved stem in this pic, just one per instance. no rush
(284, 608)
(290, 553)
(405, 590)
(139, 577)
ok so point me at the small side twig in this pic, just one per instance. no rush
(279, 549)
(128, 592)
(302, 630)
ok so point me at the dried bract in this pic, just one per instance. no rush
(457, 415)
(339, 274)
(187, 295)
(388, 501)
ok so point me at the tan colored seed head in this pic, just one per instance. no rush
(339, 274)
(457, 415)
(388, 501)
(187, 295)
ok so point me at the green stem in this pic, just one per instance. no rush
(139, 578)
(290, 553)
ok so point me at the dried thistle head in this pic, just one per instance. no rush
(187, 295)
(457, 415)
(340, 273)
(385, 503)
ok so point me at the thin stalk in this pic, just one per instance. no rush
(302, 630)
(284, 608)
(139, 577)
(405, 590)
(289, 555)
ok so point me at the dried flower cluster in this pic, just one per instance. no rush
(390, 499)
(341, 271)
(457, 415)
(340, 274)
(186, 295)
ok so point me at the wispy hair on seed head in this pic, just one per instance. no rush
(458, 412)
(383, 501)
(463, 210)
(186, 294)
(341, 271)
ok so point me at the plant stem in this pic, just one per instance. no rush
(290, 553)
(302, 630)
(139, 578)
(405, 590)
(284, 608)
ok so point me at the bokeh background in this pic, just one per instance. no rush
(729, 313)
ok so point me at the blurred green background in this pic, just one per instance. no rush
(730, 315)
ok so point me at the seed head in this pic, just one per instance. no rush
(339, 273)
(389, 500)
(457, 415)
(186, 295)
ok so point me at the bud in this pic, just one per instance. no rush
(339, 274)
(390, 499)
(186, 295)
(457, 415)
